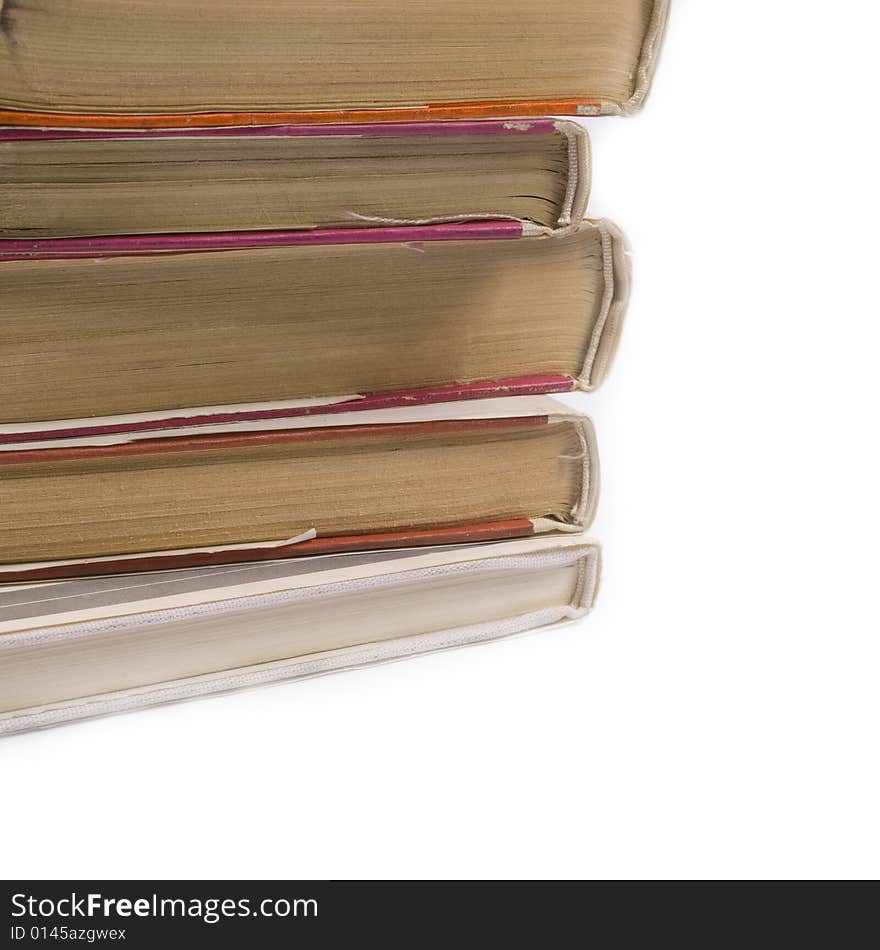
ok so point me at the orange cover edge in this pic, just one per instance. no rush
(438, 111)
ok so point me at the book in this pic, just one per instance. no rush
(77, 649)
(392, 478)
(69, 183)
(167, 63)
(154, 334)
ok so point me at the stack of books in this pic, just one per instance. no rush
(281, 301)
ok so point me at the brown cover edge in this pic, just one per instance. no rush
(409, 538)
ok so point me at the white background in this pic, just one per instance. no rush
(717, 715)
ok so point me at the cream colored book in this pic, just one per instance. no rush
(78, 649)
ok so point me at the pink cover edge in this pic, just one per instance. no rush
(448, 127)
(67, 248)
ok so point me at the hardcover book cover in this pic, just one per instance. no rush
(393, 478)
(188, 63)
(66, 183)
(77, 649)
(275, 325)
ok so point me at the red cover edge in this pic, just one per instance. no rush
(519, 386)
(411, 538)
(231, 440)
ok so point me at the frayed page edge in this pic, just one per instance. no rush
(645, 68)
(584, 509)
(617, 273)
